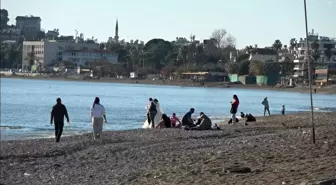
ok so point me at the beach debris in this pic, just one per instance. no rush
(238, 170)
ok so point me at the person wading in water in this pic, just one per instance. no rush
(57, 115)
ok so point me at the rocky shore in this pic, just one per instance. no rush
(274, 150)
(183, 83)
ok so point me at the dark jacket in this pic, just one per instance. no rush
(58, 112)
(152, 107)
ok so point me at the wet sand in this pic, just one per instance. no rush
(274, 150)
(183, 83)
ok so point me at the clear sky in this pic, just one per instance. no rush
(250, 21)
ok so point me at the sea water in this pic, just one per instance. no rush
(26, 104)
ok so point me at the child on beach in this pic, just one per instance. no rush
(283, 110)
(174, 120)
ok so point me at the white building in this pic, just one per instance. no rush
(263, 55)
(47, 52)
(81, 57)
(325, 43)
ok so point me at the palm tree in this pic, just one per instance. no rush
(248, 49)
(293, 43)
(277, 45)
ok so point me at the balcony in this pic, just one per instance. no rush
(299, 61)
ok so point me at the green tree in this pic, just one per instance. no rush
(277, 45)
(232, 67)
(3, 18)
(293, 43)
(155, 52)
(264, 68)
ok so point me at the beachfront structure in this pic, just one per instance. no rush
(325, 74)
(82, 57)
(324, 43)
(46, 52)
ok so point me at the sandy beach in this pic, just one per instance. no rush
(274, 150)
(183, 83)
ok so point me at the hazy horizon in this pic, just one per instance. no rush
(250, 22)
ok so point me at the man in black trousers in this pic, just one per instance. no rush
(57, 115)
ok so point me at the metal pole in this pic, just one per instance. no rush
(310, 75)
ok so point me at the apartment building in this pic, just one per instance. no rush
(28, 23)
(48, 51)
(324, 43)
(81, 57)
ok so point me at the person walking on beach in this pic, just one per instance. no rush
(234, 108)
(98, 117)
(57, 115)
(266, 106)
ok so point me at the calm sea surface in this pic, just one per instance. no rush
(26, 104)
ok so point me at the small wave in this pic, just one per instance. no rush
(11, 127)
(325, 109)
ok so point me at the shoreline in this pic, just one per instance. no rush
(275, 150)
(222, 122)
(181, 83)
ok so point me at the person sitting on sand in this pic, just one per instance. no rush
(187, 120)
(164, 122)
(266, 106)
(250, 118)
(97, 117)
(174, 120)
(57, 115)
(203, 123)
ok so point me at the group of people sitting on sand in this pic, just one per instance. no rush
(157, 119)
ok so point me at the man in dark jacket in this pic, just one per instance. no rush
(57, 115)
(187, 120)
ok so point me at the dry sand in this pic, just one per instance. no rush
(277, 150)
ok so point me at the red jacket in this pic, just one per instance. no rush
(235, 104)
